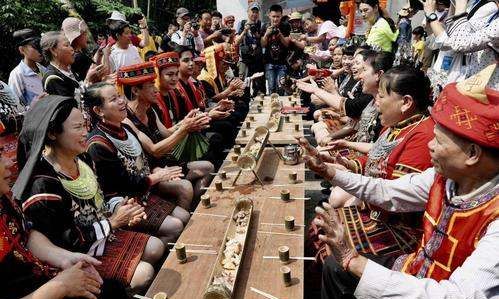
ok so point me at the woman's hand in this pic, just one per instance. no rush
(129, 213)
(218, 113)
(328, 84)
(316, 161)
(336, 145)
(80, 280)
(225, 105)
(171, 173)
(196, 123)
(336, 236)
(306, 87)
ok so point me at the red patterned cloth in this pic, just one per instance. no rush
(121, 256)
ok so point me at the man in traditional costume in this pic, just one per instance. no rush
(457, 256)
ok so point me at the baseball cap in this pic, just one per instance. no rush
(182, 11)
(254, 5)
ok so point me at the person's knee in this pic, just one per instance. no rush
(142, 277)
(154, 250)
(181, 214)
(184, 188)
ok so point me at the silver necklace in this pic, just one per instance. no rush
(130, 147)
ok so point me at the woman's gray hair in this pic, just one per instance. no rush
(49, 41)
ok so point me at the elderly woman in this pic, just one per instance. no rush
(122, 166)
(402, 101)
(59, 79)
(62, 198)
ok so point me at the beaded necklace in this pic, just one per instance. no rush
(85, 186)
(130, 147)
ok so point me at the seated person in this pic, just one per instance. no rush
(456, 256)
(62, 199)
(368, 67)
(178, 99)
(32, 266)
(403, 101)
(159, 142)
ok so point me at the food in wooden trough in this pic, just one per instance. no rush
(224, 274)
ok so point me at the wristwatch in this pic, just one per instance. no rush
(431, 17)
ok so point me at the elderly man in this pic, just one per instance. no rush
(457, 257)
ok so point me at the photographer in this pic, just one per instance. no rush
(188, 33)
(248, 39)
(276, 41)
(209, 36)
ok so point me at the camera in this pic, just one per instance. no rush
(195, 25)
(274, 31)
(226, 31)
(253, 28)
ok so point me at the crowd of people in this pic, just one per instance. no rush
(108, 144)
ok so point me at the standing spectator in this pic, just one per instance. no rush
(75, 31)
(248, 39)
(296, 23)
(405, 26)
(59, 79)
(187, 35)
(360, 25)
(117, 17)
(208, 35)
(166, 39)
(382, 33)
(25, 79)
(418, 44)
(216, 23)
(123, 53)
(229, 21)
(276, 41)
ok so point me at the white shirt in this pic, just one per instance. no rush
(360, 25)
(179, 38)
(123, 57)
(25, 83)
(478, 277)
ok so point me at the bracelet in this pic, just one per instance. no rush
(349, 258)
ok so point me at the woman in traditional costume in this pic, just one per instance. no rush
(31, 265)
(62, 198)
(122, 167)
(403, 101)
(160, 144)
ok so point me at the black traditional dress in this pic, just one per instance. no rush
(71, 212)
(123, 170)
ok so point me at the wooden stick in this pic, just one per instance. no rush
(206, 214)
(300, 198)
(278, 224)
(212, 188)
(194, 245)
(266, 295)
(211, 252)
(284, 234)
(302, 258)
